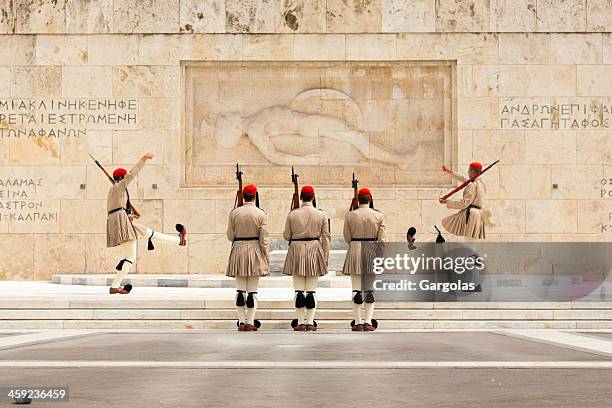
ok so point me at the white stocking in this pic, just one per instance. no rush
(369, 312)
(129, 255)
(161, 237)
(356, 285)
(252, 283)
(311, 286)
(299, 284)
(241, 285)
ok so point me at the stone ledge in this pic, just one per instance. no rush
(192, 281)
(230, 324)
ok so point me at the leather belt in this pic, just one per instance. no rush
(364, 239)
(117, 209)
(304, 239)
(246, 239)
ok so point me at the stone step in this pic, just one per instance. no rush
(192, 281)
(230, 324)
(104, 301)
(288, 314)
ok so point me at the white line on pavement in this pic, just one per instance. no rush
(307, 364)
(29, 339)
(569, 340)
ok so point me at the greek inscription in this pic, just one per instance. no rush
(560, 116)
(64, 118)
(17, 203)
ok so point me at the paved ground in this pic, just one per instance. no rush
(488, 388)
(520, 368)
(288, 346)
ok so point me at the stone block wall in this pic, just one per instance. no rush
(533, 87)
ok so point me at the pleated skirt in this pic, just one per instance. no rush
(247, 259)
(456, 225)
(119, 229)
(305, 258)
(360, 257)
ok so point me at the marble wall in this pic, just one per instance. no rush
(532, 85)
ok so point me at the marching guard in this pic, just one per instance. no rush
(307, 231)
(467, 222)
(123, 231)
(364, 232)
(247, 229)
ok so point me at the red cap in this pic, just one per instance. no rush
(249, 189)
(364, 192)
(119, 172)
(476, 166)
(308, 190)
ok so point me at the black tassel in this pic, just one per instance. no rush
(150, 246)
(357, 299)
(300, 300)
(257, 199)
(310, 300)
(250, 302)
(371, 202)
(240, 298)
(179, 228)
(120, 264)
(439, 239)
(369, 298)
(314, 202)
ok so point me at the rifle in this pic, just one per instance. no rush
(295, 201)
(468, 181)
(354, 201)
(239, 201)
(131, 207)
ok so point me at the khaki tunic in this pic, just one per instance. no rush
(248, 258)
(307, 258)
(363, 222)
(473, 194)
(119, 226)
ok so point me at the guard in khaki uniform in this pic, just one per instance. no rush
(468, 221)
(122, 231)
(247, 229)
(309, 239)
(364, 232)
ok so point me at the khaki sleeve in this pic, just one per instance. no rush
(458, 177)
(325, 238)
(382, 227)
(287, 231)
(346, 231)
(469, 193)
(133, 173)
(264, 236)
(231, 233)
